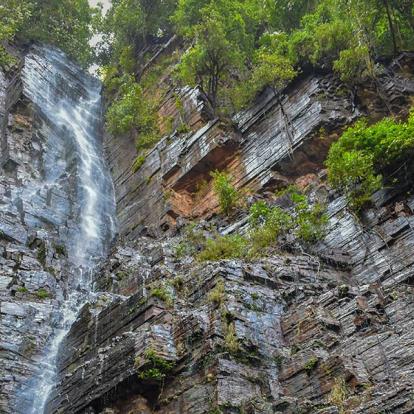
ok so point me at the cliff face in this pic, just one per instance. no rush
(51, 216)
(326, 330)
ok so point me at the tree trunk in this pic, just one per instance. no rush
(391, 26)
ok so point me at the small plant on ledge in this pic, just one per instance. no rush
(226, 193)
(42, 294)
(153, 367)
(161, 293)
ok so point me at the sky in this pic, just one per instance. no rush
(106, 3)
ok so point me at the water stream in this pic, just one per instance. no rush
(69, 103)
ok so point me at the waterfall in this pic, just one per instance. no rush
(68, 102)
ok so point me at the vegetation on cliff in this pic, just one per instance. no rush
(233, 49)
(270, 227)
(63, 23)
(366, 157)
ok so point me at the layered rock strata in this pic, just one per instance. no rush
(321, 330)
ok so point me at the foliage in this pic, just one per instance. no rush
(266, 228)
(161, 293)
(193, 240)
(227, 194)
(310, 364)
(307, 223)
(231, 342)
(353, 64)
(224, 247)
(272, 67)
(310, 221)
(155, 367)
(129, 26)
(63, 23)
(139, 161)
(365, 154)
(42, 294)
(13, 16)
(339, 394)
(132, 111)
(304, 222)
(217, 295)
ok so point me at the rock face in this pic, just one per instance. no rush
(326, 330)
(323, 330)
(44, 203)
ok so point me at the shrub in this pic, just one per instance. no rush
(275, 221)
(133, 111)
(224, 247)
(353, 64)
(231, 342)
(310, 364)
(42, 294)
(217, 295)
(227, 194)
(310, 221)
(259, 212)
(307, 222)
(139, 161)
(183, 128)
(363, 159)
(161, 293)
(157, 368)
(193, 241)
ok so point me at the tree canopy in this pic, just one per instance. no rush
(66, 24)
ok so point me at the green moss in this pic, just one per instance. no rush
(138, 162)
(22, 289)
(42, 294)
(60, 249)
(310, 364)
(278, 359)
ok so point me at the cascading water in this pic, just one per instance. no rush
(69, 103)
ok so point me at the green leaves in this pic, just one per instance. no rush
(223, 35)
(63, 23)
(227, 194)
(365, 154)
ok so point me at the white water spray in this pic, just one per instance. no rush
(70, 104)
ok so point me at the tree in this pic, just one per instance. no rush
(63, 23)
(128, 28)
(223, 40)
(273, 67)
(13, 15)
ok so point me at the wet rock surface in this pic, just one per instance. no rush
(33, 261)
(40, 203)
(321, 330)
